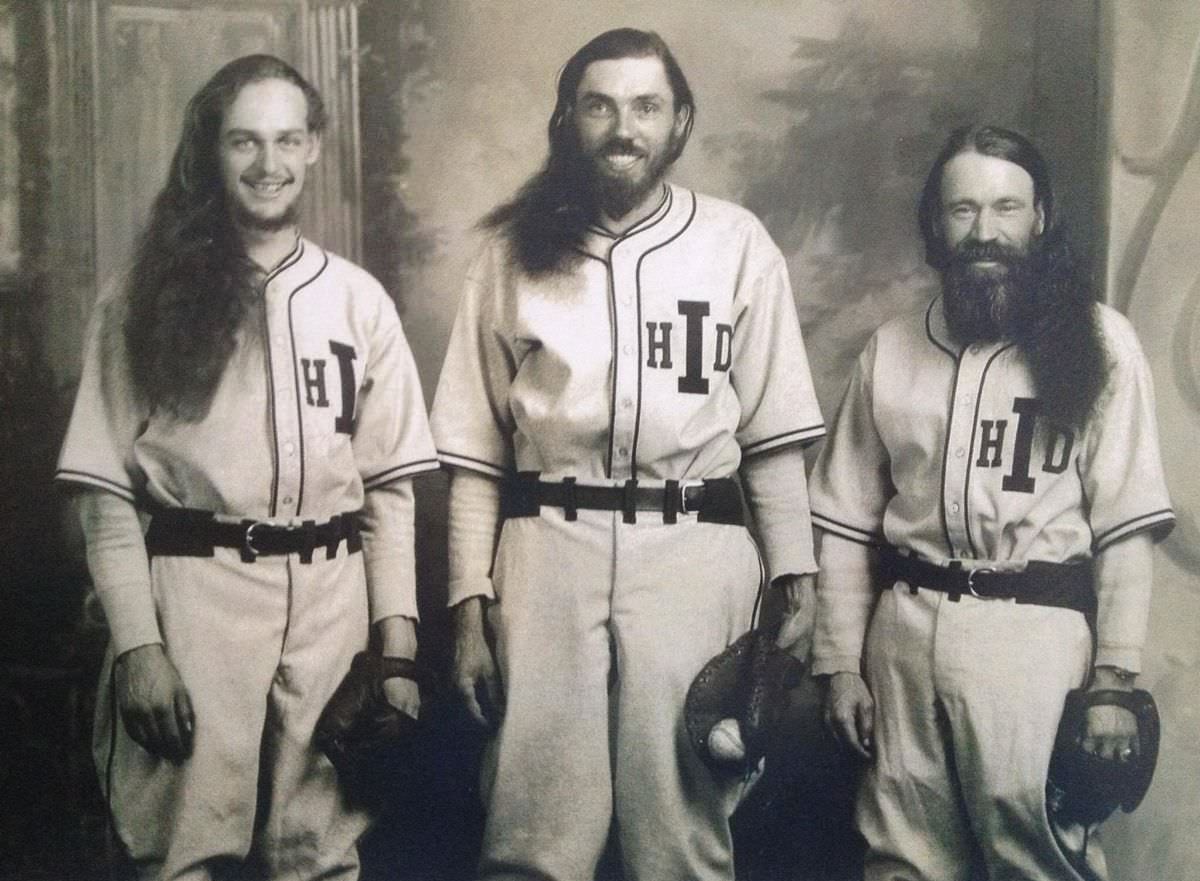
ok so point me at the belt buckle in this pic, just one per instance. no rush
(971, 573)
(683, 503)
(248, 548)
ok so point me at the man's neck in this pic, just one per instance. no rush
(635, 215)
(268, 248)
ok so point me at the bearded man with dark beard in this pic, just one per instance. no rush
(623, 350)
(990, 492)
(254, 397)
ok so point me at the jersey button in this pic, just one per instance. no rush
(627, 349)
(622, 451)
(287, 500)
(955, 508)
(626, 403)
(289, 447)
(960, 452)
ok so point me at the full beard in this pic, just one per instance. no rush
(616, 194)
(1042, 303)
(987, 304)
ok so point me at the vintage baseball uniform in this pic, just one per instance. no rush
(319, 412)
(670, 352)
(938, 451)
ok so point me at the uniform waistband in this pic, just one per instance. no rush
(717, 500)
(188, 532)
(1063, 585)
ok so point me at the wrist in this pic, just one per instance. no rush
(1109, 676)
(397, 637)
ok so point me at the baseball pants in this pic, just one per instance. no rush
(260, 647)
(968, 697)
(601, 627)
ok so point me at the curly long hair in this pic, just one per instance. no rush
(192, 284)
(547, 219)
(1057, 327)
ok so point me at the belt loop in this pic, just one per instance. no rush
(333, 537)
(351, 532)
(570, 510)
(629, 501)
(309, 530)
(670, 498)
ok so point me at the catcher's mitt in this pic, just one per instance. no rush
(1085, 788)
(361, 733)
(748, 682)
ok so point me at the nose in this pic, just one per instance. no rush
(268, 158)
(624, 123)
(984, 228)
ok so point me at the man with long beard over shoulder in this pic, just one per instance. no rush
(254, 397)
(623, 350)
(992, 482)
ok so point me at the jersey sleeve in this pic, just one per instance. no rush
(1121, 466)
(106, 419)
(851, 482)
(770, 370)
(472, 423)
(391, 439)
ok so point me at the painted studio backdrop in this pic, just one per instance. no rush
(821, 116)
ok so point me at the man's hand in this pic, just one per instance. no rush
(153, 702)
(475, 674)
(850, 712)
(1111, 731)
(799, 614)
(398, 639)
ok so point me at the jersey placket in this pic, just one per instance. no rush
(960, 435)
(288, 442)
(627, 353)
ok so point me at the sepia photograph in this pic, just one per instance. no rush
(625, 440)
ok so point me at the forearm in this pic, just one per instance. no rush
(120, 568)
(473, 523)
(777, 495)
(1124, 574)
(845, 599)
(387, 524)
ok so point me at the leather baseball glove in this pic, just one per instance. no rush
(361, 733)
(1085, 788)
(747, 682)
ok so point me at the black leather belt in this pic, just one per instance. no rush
(1064, 585)
(187, 532)
(712, 501)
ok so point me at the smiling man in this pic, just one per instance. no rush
(254, 396)
(991, 487)
(623, 350)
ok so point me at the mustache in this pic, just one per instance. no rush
(620, 145)
(971, 251)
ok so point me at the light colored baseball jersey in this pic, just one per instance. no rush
(935, 449)
(309, 416)
(671, 352)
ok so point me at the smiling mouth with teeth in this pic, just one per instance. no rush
(267, 188)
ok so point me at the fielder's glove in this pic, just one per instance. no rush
(747, 682)
(361, 733)
(1086, 788)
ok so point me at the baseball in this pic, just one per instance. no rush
(725, 741)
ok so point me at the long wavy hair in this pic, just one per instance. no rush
(192, 284)
(1057, 328)
(546, 220)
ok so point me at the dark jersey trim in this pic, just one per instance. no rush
(637, 281)
(796, 435)
(399, 472)
(296, 383)
(847, 531)
(929, 330)
(1134, 525)
(70, 475)
(460, 460)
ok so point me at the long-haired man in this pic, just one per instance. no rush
(254, 397)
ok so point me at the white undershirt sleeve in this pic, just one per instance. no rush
(473, 525)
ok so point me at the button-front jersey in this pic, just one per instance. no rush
(321, 406)
(670, 352)
(943, 450)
